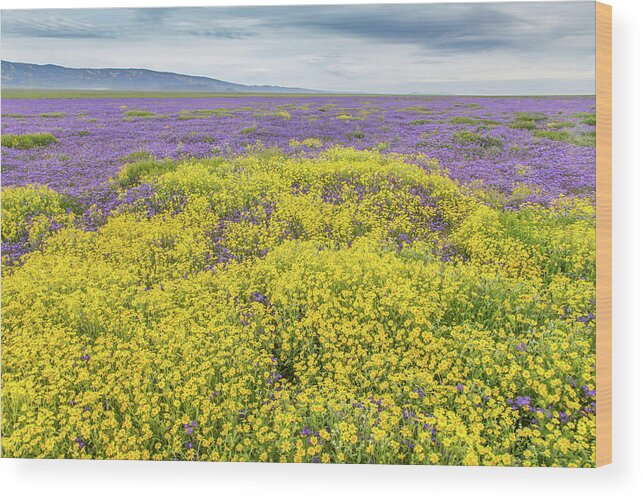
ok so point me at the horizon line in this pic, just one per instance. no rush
(306, 90)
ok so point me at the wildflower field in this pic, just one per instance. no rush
(359, 279)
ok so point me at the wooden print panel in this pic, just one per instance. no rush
(379, 315)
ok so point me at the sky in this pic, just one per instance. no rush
(477, 48)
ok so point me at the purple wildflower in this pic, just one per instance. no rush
(523, 401)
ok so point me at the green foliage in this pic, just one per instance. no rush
(586, 118)
(531, 116)
(463, 120)
(250, 129)
(28, 140)
(417, 109)
(527, 121)
(356, 134)
(420, 122)
(139, 155)
(466, 137)
(139, 113)
(193, 114)
(587, 139)
(311, 142)
(524, 124)
(143, 170)
(590, 120)
(557, 125)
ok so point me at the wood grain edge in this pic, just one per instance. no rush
(603, 234)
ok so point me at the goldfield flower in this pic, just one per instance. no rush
(420, 292)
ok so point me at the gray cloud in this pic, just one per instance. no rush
(435, 26)
(222, 33)
(379, 48)
(128, 24)
(441, 27)
(54, 24)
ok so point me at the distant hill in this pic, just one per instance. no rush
(49, 76)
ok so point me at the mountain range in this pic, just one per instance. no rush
(19, 75)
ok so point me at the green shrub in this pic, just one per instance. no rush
(28, 140)
(531, 116)
(134, 173)
(557, 125)
(357, 134)
(524, 124)
(135, 156)
(138, 113)
(249, 129)
(467, 138)
(199, 114)
(590, 120)
(586, 118)
(463, 120)
(586, 139)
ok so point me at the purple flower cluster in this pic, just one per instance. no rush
(473, 139)
(521, 347)
(523, 401)
(96, 136)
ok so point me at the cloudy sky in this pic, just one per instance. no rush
(483, 48)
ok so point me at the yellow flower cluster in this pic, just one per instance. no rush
(349, 308)
(31, 211)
